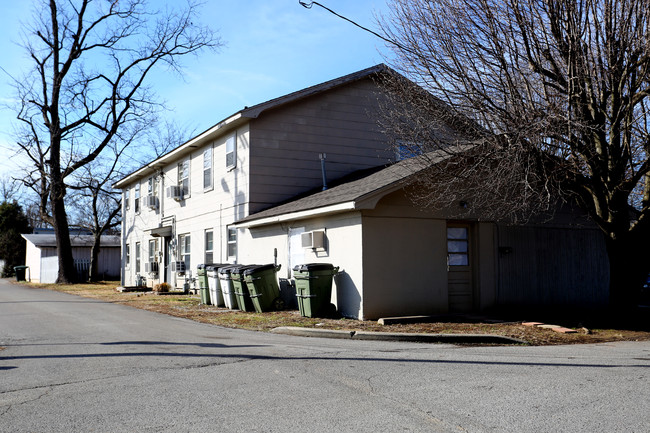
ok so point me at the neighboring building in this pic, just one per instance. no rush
(43, 261)
(250, 189)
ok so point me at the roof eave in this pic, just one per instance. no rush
(182, 150)
(294, 216)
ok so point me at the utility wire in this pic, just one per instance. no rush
(308, 5)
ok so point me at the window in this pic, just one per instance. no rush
(127, 259)
(184, 250)
(127, 201)
(136, 199)
(207, 168)
(137, 257)
(209, 249)
(232, 243)
(457, 246)
(152, 186)
(184, 177)
(231, 151)
(406, 150)
(153, 250)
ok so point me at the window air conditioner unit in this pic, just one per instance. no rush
(314, 239)
(151, 267)
(151, 201)
(175, 192)
(178, 267)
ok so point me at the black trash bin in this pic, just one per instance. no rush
(314, 288)
(20, 272)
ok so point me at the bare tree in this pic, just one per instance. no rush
(98, 206)
(88, 88)
(10, 189)
(560, 90)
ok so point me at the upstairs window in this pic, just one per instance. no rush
(207, 168)
(152, 186)
(184, 177)
(127, 199)
(407, 149)
(136, 199)
(231, 151)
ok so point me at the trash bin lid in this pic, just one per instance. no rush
(202, 266)
(226, 269)
(239, 269)
(313, 267)
(258, 268)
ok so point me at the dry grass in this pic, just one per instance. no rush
(188, 306)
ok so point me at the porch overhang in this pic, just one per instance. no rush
(161, 232)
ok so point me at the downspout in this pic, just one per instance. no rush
(322, 157)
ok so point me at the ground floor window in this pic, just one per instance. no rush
(127, 259)
(209, 246)
(232, 243)
(184, 243)
(137, 257)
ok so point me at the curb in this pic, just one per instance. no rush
(398, 336)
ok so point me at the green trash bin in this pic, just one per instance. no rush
(240, 288)
(20, 272)
(204, 289)
(262, 283)
(314, 288)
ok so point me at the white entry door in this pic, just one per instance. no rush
(296, 251)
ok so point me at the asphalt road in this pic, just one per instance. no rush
(77, 365)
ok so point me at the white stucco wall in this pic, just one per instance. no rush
(204, 209)
(342, 241)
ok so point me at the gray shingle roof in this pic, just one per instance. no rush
(49, 240)
(356, 188)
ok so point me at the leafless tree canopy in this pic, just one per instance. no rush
(88, 88)
(560, 88)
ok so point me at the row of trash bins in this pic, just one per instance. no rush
(255, 287)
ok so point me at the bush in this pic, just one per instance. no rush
(161, 288)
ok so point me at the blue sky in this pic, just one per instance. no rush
(272, 47)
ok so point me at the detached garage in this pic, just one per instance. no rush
(42, 256)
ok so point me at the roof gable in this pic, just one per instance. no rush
(240, 117)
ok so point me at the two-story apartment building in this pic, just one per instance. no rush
(178, 210)
(251, 190)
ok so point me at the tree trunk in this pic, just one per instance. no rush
(94, 258)
(67, 273)
(628, 270)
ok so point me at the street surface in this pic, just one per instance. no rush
(78, 365)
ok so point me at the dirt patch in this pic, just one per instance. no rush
(188, 306)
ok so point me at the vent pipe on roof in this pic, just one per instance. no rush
(322, 157)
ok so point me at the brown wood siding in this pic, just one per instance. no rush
(551, 266)
(287, 141)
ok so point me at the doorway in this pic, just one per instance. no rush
(459, 268)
